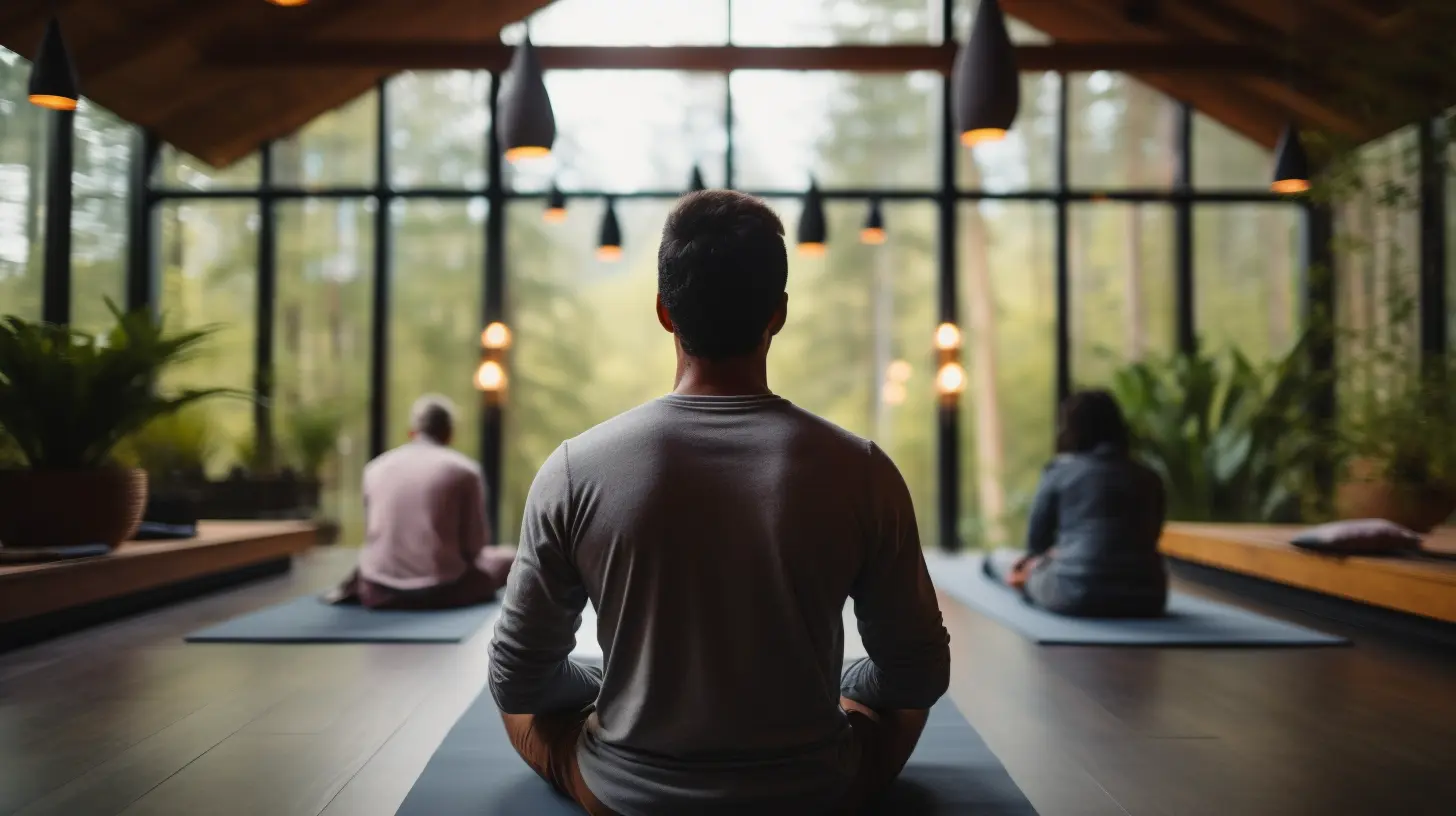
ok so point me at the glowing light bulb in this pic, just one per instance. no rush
(490, 376)
(971, 138)
(496, 336)
(609, 253)
(554, 215)
(1290, 186)
(289, 3)
(527, 152)
(951, 379)
(872, 235)
(947, 336)
(813, 250)
(50, 102)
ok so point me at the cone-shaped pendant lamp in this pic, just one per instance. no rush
(1291, 163)
(813, 232)
(609, 248)
(873, 231)
(987, 87)
(289, 3)
(555, 211)
(53, 78)
(526, 121)
(696, 184)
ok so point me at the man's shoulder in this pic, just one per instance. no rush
(417, 456)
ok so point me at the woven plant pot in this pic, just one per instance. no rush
(1366, 493)
(63, 508)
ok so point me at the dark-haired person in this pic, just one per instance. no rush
(718, 531)
(1092, 540)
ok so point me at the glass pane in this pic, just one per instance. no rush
(434, 338)
(438, 122)
(321, 340)
(1121, 133)
(180, 170)
(626, 22)
(849, 130)
(831, 22)
(1008, 313)
(609, 137)
(587, 344)
(857, 346)
(98, 217)
(1223, 159)
(1120, 262)
(207, 253)
(22, 190)
(337, 148)
(1246, 277)
(1027, 158)
(964, 14)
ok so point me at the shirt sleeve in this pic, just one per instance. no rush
(530, 667)
(899, 618)
(474, 528)
(1041, 527)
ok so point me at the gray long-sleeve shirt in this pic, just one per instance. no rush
(718, 539)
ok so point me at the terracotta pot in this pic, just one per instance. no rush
(62, 508)
(1366, 493)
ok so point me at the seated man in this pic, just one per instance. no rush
(425, 538)
(718, 531)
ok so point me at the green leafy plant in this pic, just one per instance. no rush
(1232, 441)
(67, 399)
(177, 444)
(314, 437)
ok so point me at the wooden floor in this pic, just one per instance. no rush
(129, 719)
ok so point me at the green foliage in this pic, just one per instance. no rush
(180, 443)
(67, 398)
(313, 433)
(1407, 427)
(1231, 441)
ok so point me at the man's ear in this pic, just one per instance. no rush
(663, 318)
(781, 315)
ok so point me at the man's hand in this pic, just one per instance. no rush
(1021, 570)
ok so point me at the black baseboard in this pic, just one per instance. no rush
(1412, 629)
(30, 631)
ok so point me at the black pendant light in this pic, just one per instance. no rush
(609, 248)
(53, 77)
(987, 87)
(526, 121)
(555, 211)
(696, 184)
(1291, 163)
(873, 231)
(813, 232)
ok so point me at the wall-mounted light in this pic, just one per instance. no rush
(490, 377)
(555, 211)
(53, 81)
(947, 337)
(950, 380)
(873, 231)
(1291, 163)
(813, 231)
(987, 86)
(609, 248)
(527, 125)
(496, 336)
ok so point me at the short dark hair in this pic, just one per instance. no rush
(721, 271)
(1091, 419)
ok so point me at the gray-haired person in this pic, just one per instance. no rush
(426, 540)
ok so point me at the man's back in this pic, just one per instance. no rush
(424, 516)
(718, 538)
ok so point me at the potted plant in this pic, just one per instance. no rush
(174, 450)
(66, 400)
(314, 437)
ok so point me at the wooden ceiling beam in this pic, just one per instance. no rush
(447, 55)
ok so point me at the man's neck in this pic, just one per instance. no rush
(736, 377)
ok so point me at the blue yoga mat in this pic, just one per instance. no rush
(475, 772)
(310, 620)
(1191, 621)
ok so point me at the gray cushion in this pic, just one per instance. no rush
(1359, 537)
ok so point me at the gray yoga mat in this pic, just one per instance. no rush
(310, 620)
(1191, 621)
(475, 772)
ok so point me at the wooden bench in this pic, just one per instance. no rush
(1425, 588)
(31, 591)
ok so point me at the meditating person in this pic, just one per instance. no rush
(426, 541)
(718, 532)
(1092, 540)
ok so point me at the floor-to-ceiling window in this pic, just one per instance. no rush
(22, 185)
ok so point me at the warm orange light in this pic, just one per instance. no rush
(289, 3)
(971, 138)
(893, 393)
(951, 379)
(609, 253)
(872, 235)
(496, 336)
(554, 215)
(947, 336)
(1290, 186)
(516, 154)
(813, 250)
(60, 103)
(899, 371)
(490, 376)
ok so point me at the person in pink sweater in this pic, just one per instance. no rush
(426, 539)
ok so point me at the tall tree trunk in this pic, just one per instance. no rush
(980, 301)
